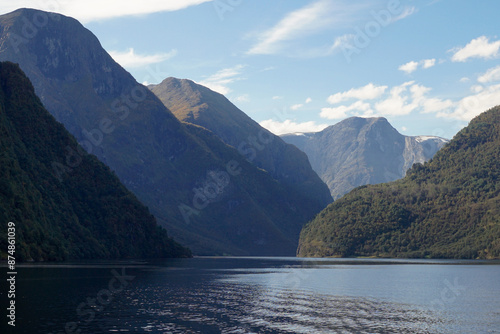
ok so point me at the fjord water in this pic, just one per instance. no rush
(260, 295)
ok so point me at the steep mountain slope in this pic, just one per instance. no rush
(359, 151)
(448, 207)
(206, 194)
(196, 104)
(88, 214)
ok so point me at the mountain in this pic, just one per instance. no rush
(359, 151)
(447, 208)
(89, 214)
(208, 196)
(196, 104)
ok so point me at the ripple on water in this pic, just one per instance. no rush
(225, 307)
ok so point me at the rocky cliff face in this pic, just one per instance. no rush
(419, 149)
(359, 151)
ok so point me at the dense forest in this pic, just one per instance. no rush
(64, 203)
(448, 207)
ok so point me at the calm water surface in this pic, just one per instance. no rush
(258, 295)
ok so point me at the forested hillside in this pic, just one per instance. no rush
(446, 208)
(65, 204)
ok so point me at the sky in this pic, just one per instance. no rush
(428, 66)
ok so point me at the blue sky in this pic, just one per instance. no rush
(428, 66)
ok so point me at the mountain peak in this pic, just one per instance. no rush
(176, 83)
(179, 81)
(357, 122)
(189, 93)
(359, 151)
(26, 10)
(33, 21)
(194, 103)
(366, 121)
(49, 36)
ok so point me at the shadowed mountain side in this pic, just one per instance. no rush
(87, 214)
(196, 104)
(163, 161)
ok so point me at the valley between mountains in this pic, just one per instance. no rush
(97, 165)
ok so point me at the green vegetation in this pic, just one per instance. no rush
(447, 208)
(85, 214)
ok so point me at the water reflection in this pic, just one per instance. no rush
(231, 305)
(271, 295)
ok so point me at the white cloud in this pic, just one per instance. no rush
(404, 128)
(334, 113)
(92, 10)
(464, 80)
(242, 98)
(346, 41)
(426, 104)
(276, 97)
(269, 68)
(397, 102)
(434, 105)
(400, 100)
(409, 67)
(476, 88)
(313, 18)
(130, 59)
(412, 66)
(288, 126)
(412, 97)
(408, 97)
(493, 74)
(428, 63)
(471, 106)
(303, 21)
(300, 105)
(368, 92)
(477, 48)
(219, 81)
(341, 42)
(417, 91)
(341, 111)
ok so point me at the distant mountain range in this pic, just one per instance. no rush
(446, 208)
(64, 203)
(207, 194)
(359, 151)
(196, 104)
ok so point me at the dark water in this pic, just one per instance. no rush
(258, 295)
